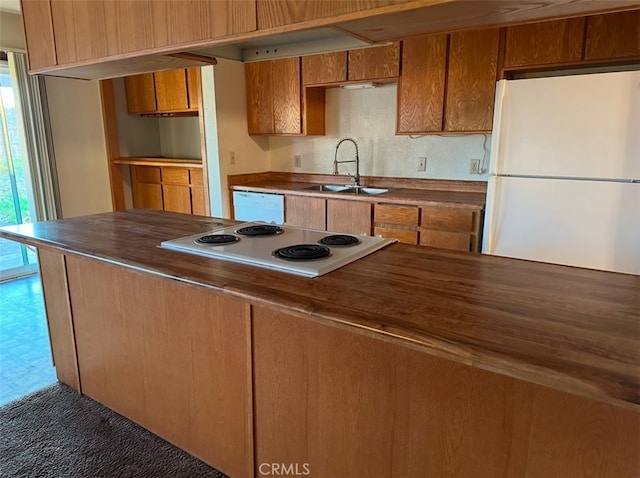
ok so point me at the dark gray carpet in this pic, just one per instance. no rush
(58, 433)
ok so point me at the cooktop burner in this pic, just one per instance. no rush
(217, 239)
(302, 252)
(290, 249)
(260, 230)
(339, 240)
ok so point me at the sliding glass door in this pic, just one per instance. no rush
(16, 200)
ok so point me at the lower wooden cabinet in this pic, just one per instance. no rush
(308, 212)
(442, 227)
(168, 188)
(350, 217)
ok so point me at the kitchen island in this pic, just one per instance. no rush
(409, 362)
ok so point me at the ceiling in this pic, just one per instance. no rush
(10, 6)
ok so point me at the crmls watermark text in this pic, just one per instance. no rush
(284, 469)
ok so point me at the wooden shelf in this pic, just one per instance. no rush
(183, 163)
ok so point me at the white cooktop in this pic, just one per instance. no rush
(259, 250)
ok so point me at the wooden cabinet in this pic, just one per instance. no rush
(38, 32)
(168, 188)
(421, 84)
(349, 217)
(614, 35)
(172, 357)
(303, 211)
(397, 222)
(576, 41)
(454, 92)
(374, 63)
(326, 68)
(557, 41)
(471, 80)
(336, 215)
(170, 91)
(441, 227)
(277, 102)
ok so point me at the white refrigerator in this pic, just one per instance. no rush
(565, 171)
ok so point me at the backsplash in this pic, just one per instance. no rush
(369, 117)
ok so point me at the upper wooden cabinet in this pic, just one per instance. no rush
(325, 68)
(278, 104)
(162, 92)
(615, 35)
(38, 29)
(421, 85)
(471, 80)
(454, 92)
(575, 41)
(542, 43)
(276, 13)
(374, 63)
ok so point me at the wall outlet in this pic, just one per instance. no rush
(232, 158)
(422, 164)
(297, 161)
(474, 167)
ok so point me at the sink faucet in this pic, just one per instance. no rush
(355, 178)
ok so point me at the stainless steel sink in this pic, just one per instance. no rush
(334, 188)
(345, 189)
(364, 191)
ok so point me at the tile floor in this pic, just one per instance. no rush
(25, 354)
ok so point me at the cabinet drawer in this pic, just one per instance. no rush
(446, 240)
(402, 235)
(196, 177)
(450, 219)
(178, 176)
(392, 214)
(147, 174)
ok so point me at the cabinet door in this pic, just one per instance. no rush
(305, 211)
(324, 68)
(198, 206)
(171, 90)
(446, 240)
(193, 87)
(287, 118)
(259, 97)
(374, 63)
(614, 35)
(147, 195)
(471, 82)
(349, 217)
(38, 30)
(421, 84)
(141, 94)
(176, 198)
(557, 41)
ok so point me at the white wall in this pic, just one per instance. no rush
(225, 110)
(79, 145)
(11, 32)
(369, 117)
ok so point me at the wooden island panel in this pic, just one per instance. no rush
(53, 274)
(351, 405)
(172, 357)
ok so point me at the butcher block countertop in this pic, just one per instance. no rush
(419, 192)
(567, 328)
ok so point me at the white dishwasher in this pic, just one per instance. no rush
(258, 207)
